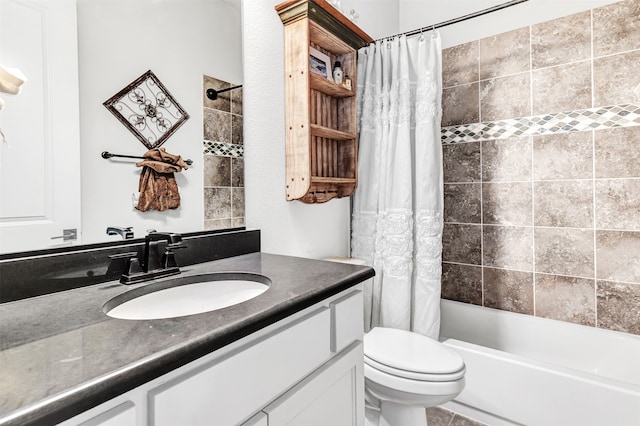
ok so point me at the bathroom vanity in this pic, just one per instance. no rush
(290, 356)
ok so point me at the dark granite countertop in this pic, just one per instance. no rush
(61, 355)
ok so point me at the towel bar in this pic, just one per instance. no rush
(107, 154)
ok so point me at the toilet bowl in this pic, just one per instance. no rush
(405, 373)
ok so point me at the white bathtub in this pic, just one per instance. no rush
(534, 371)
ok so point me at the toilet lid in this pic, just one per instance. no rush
(411, 352)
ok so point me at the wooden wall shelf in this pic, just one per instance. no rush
(321, 134)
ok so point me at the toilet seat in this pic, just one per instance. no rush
(411, 356)
(412, 375)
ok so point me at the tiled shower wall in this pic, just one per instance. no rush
(223, 157)
(542, 208)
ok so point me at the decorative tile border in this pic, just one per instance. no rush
(223, 149)
(563, 122)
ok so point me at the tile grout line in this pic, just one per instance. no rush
(593, 184)
(482, 286)
(533, 210)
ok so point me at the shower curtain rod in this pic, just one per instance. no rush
(459, 19)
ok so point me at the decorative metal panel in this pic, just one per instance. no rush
(148, 110)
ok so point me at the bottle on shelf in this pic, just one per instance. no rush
(337, 73)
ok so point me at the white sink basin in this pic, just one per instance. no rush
(186, 295)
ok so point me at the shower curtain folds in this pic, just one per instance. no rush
(398, 207)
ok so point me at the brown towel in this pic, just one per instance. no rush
(158, 187)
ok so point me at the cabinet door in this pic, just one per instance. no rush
(332, 395)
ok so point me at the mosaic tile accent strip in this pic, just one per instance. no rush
(626, 115)
(223, 149)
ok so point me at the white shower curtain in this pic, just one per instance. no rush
(398, 206)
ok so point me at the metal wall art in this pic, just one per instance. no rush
(148, 110)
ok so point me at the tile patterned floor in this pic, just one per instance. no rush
(438, 416)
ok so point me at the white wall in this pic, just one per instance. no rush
(378, 18)
(119, 41)
(292, 228)
(420, 13)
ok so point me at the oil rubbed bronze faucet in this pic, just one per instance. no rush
(153, 265)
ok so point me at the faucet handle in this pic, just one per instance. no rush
(168, 258)
(122, 264)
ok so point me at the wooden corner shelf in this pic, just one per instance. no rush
(328, 87)
(329, 133)
(321, 134)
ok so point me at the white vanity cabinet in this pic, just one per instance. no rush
(306, 369)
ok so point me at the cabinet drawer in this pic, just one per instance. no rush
(347, 320)
(107, 414)
(226, 391)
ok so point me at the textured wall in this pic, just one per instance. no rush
(541, 127)
(291, 228)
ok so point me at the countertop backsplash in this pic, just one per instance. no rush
(31, 274)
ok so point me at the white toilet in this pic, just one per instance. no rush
(407, 372)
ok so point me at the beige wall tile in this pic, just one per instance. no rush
(461, 162)
(217, 170)
(561, 41)
(460, 64)
(217, 203)
(545, 183)
(462, 203)
(237, 202)
(617, 256)
(617, 152)
(563, 156)
(506, 160)
(237, 171)
(509, 247)
(211, 224)
(564, 251)
(507, 203)
(616, 28)
(563, 203)
(619, 306)
(462, 283)
(223, 102)
(237, 133)
(505, 54)
(618, 204)
(615, 78)
(508, 290)
(236, 101)
(217, 125)
(506, 97)
(566, 299)
(562, 88)
(460, 105)
(462, 244)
